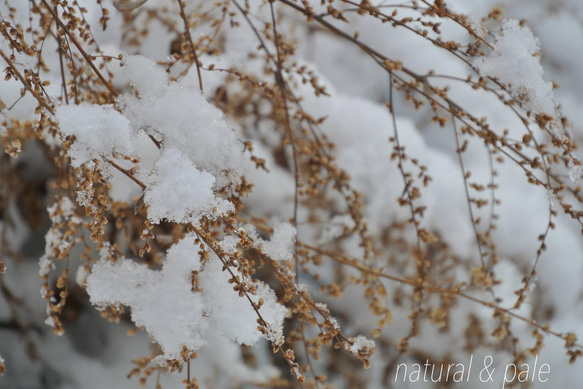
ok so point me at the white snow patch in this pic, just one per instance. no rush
(177, 191)
(174, 314)
(99, 130)
(514, 62)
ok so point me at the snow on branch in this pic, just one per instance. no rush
(185, 302)
(515, 61)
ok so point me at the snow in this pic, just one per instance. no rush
(68, 211)
(46, 265)
(56, 240)
(229, 244)
(575, 173)
(182, 119)
(281, 245)
(359, 344)
(233, 316)
(197, 158)
(336, 227)
(160, 301)
(164, 303)
(177, 191)
(514, 61)
(365, 156)
(99, 130)
(81, 275)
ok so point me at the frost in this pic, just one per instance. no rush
(57, 241)
(477, 27)
(513, 61)
(575, 173)
(63, 210)
(334, 322)
(324, 308)
(49, 321)
(177, 191)
(553, 200)
(302, 288)
(85, 197)
(99, 131)
(46, 265)
(106, 252)
(68, 210)
(229, 244)
(359, 344)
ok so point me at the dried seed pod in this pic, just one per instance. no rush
(127, 5)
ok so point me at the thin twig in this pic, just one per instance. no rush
(190, 42)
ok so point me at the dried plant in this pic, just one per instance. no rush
(206, 185)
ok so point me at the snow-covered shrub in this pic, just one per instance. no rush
(265, 193)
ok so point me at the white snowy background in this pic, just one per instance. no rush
(96, 354)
